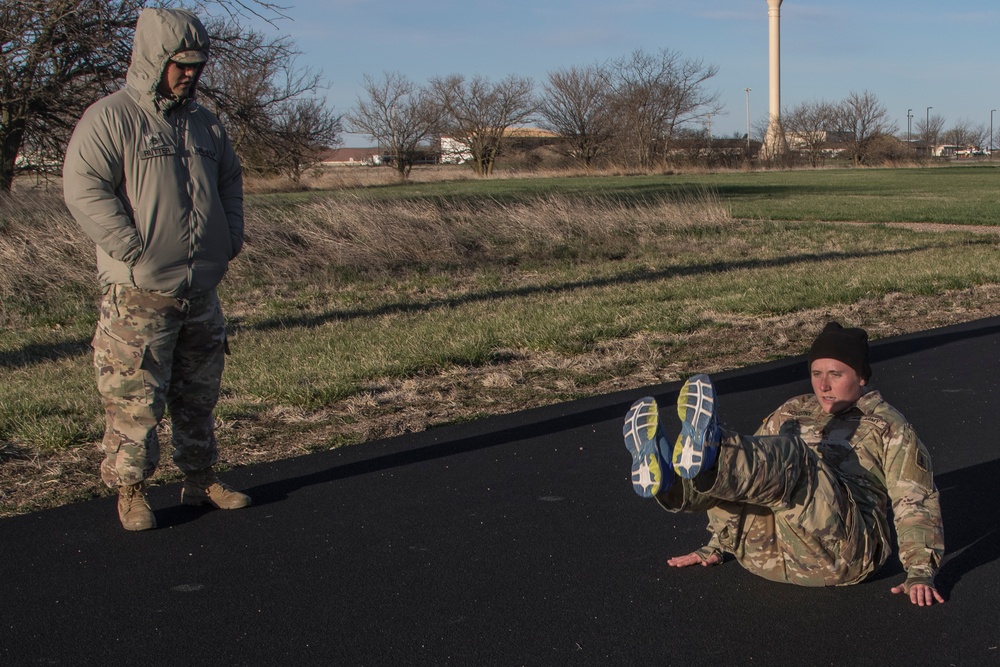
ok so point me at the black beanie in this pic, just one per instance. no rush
(849, 346)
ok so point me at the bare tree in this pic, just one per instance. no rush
(398, 115)
(929, 129)
(55, 59)
(655, 95)
(965, 133)
(575, 105)
(807, 128)
(269, 105)
(478, 113)
(758, 129)
(692, 104)
(861, 119)
(303, 130)
(244, 9)
(59, 56)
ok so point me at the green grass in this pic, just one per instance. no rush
(308, 333)
(951, 195)
(331, 352)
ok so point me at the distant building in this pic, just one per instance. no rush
(456, 151)
(948, 150)
(351, 157)
(800, 140)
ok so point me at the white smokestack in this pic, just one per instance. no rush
(774, 140)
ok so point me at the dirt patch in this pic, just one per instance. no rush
(931, 227)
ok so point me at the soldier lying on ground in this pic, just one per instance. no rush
(805, 500)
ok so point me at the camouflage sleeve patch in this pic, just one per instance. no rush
(917, 467)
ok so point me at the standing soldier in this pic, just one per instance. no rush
(152, 178)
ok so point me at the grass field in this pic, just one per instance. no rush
(363, 313)
(948, 195)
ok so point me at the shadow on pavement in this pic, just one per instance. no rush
(970, 504)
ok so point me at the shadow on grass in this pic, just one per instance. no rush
(37, 353)
(629, 278)
(630, 190)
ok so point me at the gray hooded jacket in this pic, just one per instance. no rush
(154, 181)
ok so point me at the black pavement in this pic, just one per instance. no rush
(513, 540)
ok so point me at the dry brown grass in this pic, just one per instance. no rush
(44, 253)
(378, 236)
(49, 262)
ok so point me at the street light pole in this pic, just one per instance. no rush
(927, 131)
(747, 91)
(909, 116)
(991, 132)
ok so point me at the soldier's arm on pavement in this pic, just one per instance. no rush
(916, 505)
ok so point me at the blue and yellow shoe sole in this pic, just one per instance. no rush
(696, 408)
(650, 473)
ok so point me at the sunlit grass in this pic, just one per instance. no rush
(337, 295)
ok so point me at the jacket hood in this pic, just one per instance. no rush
(160, 34)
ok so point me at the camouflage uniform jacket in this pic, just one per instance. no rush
(880, 460)
(153, 180)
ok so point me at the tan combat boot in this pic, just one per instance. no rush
(133, 508)
(204, 488)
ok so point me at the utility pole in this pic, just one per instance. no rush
(991, 132)
(927, 131)
(747, 91)
(709, 142)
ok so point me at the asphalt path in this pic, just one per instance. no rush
(514, 540)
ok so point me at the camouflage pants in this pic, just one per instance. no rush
(153, 352)
(783, 512)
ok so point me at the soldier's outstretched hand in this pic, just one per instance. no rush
(694, 559)
(920, 594)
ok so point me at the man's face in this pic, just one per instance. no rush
(837, 386)
(179, 80)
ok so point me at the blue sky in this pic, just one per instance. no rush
(912, 55)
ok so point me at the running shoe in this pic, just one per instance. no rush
(698, 441)
(651, 472)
